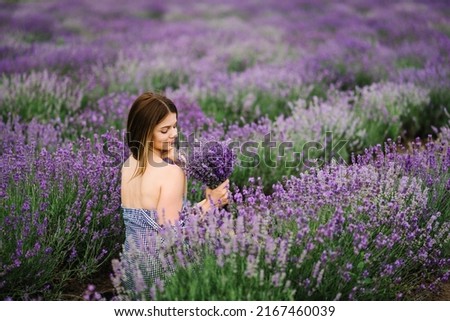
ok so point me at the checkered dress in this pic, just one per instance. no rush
(136, 257)
(140, 250)
(139, 223)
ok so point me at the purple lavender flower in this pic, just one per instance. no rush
(211, 162)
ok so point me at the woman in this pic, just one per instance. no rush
(151, 178)
(153, 188)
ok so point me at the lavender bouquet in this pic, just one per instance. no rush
(210, 162)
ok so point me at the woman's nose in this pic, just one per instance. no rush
(174, 133)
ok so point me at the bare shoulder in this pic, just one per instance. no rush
(128, 168)
(173, 175)
(163, 175)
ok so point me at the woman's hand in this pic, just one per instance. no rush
(219, 195)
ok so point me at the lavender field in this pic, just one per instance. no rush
(339, 112)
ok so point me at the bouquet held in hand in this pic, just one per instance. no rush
(210, 162)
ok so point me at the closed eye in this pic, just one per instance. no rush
(165, 129)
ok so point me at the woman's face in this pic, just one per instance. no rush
(165, 133)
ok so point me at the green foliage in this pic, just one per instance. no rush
(195, 192)
(409, 62)
(163, 80)
(207, 280)
(275, 164)
(318, 90)
(388, 111)
(435, 114)
(243, 109)
(41, 95)
(237, 64)
(268, 164)
(154, 81)
(350, 77)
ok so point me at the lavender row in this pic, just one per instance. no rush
(376, 230)
(60, 211)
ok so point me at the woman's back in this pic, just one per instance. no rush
(161, 188)
(131, 188)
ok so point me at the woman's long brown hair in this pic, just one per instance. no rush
(147, 111)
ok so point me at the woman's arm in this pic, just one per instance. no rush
(218, 196)
(171, 180)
